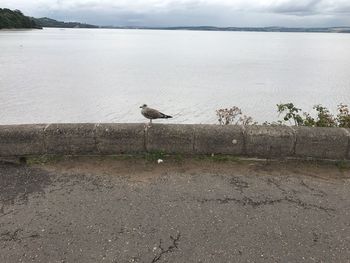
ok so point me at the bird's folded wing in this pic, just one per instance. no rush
(152, 113)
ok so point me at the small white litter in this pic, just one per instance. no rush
(160, 161)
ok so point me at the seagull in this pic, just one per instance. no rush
(151, 114)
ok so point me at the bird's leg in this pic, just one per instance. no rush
(150, 123)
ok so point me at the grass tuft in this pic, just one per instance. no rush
(44, 159)
(343, 165)
(154, 156)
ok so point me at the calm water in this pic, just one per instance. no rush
(96, 75)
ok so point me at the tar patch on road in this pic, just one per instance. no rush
(18, 181)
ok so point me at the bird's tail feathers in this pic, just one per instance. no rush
(166, 116)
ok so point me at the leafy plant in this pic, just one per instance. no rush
(291, 115)
(233, 115)
(323, 117)
(343, 116)
(228, 115)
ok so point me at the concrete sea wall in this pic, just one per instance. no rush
(108, 139)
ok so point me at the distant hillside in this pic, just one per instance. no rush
(249, 29)
(15, 19)
(48, 22)
(268, 29)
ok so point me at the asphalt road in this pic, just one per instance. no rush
(98, 210)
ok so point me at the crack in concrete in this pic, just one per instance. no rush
(316, 191)
(248, 201)
(245, 201)
(170, 249)
(308, 206)
(35, 235)
(3, 213)
(13, 236)
(10, 236)
(315, 237)
(277, 185)
(238, 183)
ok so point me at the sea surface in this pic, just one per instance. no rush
(104, 75)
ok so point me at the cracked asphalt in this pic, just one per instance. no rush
(133, 210)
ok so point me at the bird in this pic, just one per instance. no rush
(152, 114)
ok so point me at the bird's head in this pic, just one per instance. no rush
(143, 106)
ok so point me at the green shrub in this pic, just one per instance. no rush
(343, 117)
(323, 117)
(291, 115)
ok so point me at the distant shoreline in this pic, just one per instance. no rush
(244, 29)
(19, 29)
(15, 19)
(281, 30)
(212, 29)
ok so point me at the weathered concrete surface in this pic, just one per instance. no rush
(269, 141)
(348, 132)
(106, 139)
(69, 139)
(217, 139)
(116, 139)
(171, 138)
(323, 143)
(16, 140)
(108, 210)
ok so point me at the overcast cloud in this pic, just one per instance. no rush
(302, 13)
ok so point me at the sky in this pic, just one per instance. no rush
(239, 13)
